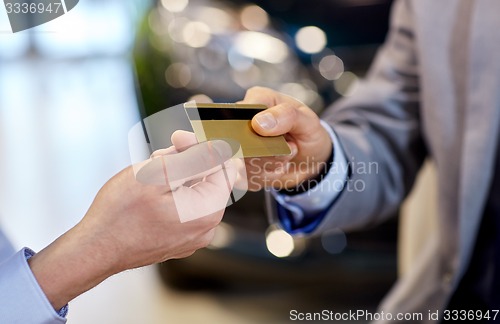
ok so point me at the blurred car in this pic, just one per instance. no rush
(213, 51)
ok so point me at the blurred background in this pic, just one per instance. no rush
(70, 91)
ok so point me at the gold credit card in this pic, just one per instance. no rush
(233, 122)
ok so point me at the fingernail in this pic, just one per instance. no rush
(266, 121)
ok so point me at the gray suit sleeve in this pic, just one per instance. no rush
(379, 131)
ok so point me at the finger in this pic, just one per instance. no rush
(230, 171)
(146, 177)
(169, 150)
(182, 139)
(274, 159)
(193, 163)
(198, 161)
(266, 177)
(209, 236)
(241, 182)
(206, 197)
(261, 95)
(152, 172)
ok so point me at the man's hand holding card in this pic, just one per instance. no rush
(232, 123)
(309, 142)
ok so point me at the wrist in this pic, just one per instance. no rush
(71, 265)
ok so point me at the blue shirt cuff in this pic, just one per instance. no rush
(306, 225)
(22, 300)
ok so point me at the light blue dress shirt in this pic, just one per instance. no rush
(22, 301)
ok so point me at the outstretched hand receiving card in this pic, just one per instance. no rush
(231, 122)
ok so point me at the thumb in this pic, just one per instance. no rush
(282, 119)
